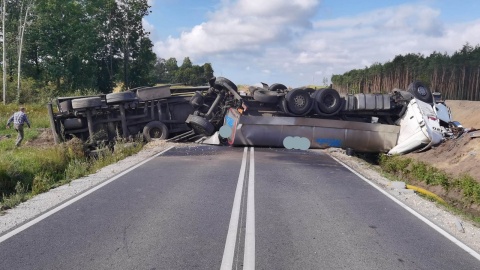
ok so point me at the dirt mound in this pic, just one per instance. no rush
(466, 112)
(455, 157)
(44, 139)
(461, 155)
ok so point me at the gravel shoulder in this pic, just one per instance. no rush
(461, 229)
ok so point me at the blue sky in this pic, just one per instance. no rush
(300, 42)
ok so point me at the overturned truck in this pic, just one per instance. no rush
(396, 122)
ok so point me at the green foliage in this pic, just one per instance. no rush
(31, 170)
(470, 187)
(86, 46)
(16, 198)
(189, 74)
(395, 164)
(76, 168)
(36, 170)
(80, 45)
(408, 169)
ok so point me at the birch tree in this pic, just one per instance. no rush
(4, 65)
(22, 23)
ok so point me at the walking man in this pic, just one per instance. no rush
(19, 119)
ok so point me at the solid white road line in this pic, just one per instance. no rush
(229, 250)
(422, 218)
(249, 253)
(67, 203)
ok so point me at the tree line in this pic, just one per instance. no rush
(456, 76)
(54, 47)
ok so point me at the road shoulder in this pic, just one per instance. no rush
(462, 229)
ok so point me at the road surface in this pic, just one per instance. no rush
(208, 207)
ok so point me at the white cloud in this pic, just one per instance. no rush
(147, 26)
(279, 42)
(243, 25)
(382, 34)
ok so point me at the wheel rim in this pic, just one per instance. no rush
(155, 133)
(329, 101)
(300, 101)
(422, 91)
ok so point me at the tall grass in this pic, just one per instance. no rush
(30, 170)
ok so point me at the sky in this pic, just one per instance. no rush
(304, 42)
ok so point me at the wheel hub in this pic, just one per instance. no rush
(300, 101)
(329, 101)
(422, 91)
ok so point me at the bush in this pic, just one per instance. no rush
(395, 164)
(18, 197)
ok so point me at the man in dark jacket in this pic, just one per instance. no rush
(19, 119)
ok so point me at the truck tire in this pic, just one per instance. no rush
(120, 97)
(85, 103)
(327, 101)
(265, 96)
(420, 91)
(222, 82)
(299, 101)
(276, 87)
(155, 130)
(282, 104)
(200, 125)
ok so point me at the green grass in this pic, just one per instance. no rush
(409, 170)
(29, 170)
(38, 116)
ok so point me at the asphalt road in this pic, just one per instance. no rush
(208, 207)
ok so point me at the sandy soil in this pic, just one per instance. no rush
(461, 155)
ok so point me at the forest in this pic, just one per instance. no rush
(63, 47)
(66, 47)
(456, 76)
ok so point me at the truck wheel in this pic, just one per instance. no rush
(420, 91)
(155, 130)
(299, 101)
(84, 103)
(265, 96)
(222, 82)
(276, 87)
(327, 101)
(120, 97)
(200, 125)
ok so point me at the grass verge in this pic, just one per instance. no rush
(461, 193)
(27, 171)
(30, 170)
